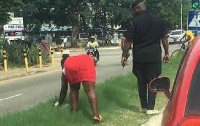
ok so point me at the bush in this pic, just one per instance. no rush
(15, 53)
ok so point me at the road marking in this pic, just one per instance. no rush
(10, 97)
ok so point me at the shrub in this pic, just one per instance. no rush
(15, 53)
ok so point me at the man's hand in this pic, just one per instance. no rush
(123, 61)
(166, 59)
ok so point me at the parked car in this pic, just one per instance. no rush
(83, 37)
(183, 108)
(95, 31)
(175, 36)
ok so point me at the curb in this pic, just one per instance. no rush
(155, 120)
(18, 75)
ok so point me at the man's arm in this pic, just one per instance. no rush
(125, 53)
(88, 44)
(182, 37)
(166, 48)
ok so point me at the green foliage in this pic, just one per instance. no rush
(15, 54)
(8, 6)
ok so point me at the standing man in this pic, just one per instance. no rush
(145, 32)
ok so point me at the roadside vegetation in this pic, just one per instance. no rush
(15, 53)
(118, 103)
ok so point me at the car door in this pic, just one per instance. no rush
(184, 104)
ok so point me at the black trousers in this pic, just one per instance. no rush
(64, 88)
(145, 72)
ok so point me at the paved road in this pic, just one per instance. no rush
(26, 92)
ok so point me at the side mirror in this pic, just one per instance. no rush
(161, 84)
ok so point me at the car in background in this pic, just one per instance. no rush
(120, 32)
(95, 32)
(175, 36)
(183, 108)
(83, 37)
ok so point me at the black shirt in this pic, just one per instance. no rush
(146, 31)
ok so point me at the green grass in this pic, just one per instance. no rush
(117, 99)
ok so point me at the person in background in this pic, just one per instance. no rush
(44, 46)
(93, 44)
(108, 39)
(145, 32)
(189, 37)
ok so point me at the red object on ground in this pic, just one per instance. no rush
(80, 68)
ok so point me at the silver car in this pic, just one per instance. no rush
(175, 36)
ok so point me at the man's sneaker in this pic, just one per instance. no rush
(152, 112)
(56, 104)
(143, 110)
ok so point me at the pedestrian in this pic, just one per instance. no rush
(188, 37)
(44, 45)
(81, 69)
(64, 83)
(145, 32)
(65, 39)
(108, 39)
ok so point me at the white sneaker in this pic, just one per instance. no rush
(152, 112)
(143, 110)
(56, 104)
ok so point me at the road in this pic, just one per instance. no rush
(23, 93)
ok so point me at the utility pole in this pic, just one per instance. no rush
(181, 15)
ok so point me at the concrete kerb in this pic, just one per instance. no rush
(155, 120)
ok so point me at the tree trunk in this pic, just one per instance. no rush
(75, 31)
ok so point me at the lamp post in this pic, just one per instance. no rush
(181, 15)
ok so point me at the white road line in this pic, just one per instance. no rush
(10, 97)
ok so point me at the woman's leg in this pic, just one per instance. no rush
(89, 88)
(74, 95)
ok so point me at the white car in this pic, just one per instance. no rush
(175, 36)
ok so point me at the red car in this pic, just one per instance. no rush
(183, 108)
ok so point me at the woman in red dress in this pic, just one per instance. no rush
(81, 69)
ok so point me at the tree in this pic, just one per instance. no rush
(8, 6)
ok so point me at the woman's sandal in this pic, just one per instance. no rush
(98, 119)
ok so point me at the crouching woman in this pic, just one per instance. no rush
(81, 69)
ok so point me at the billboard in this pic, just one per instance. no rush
(14, 29)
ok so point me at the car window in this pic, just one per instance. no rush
(84, 35)
(178, 74)
(193, 101)
(176, 33)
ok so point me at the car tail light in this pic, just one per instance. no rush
(192, 120)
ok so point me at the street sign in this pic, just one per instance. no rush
(193, 22)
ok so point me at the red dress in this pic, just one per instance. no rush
(80, 68)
